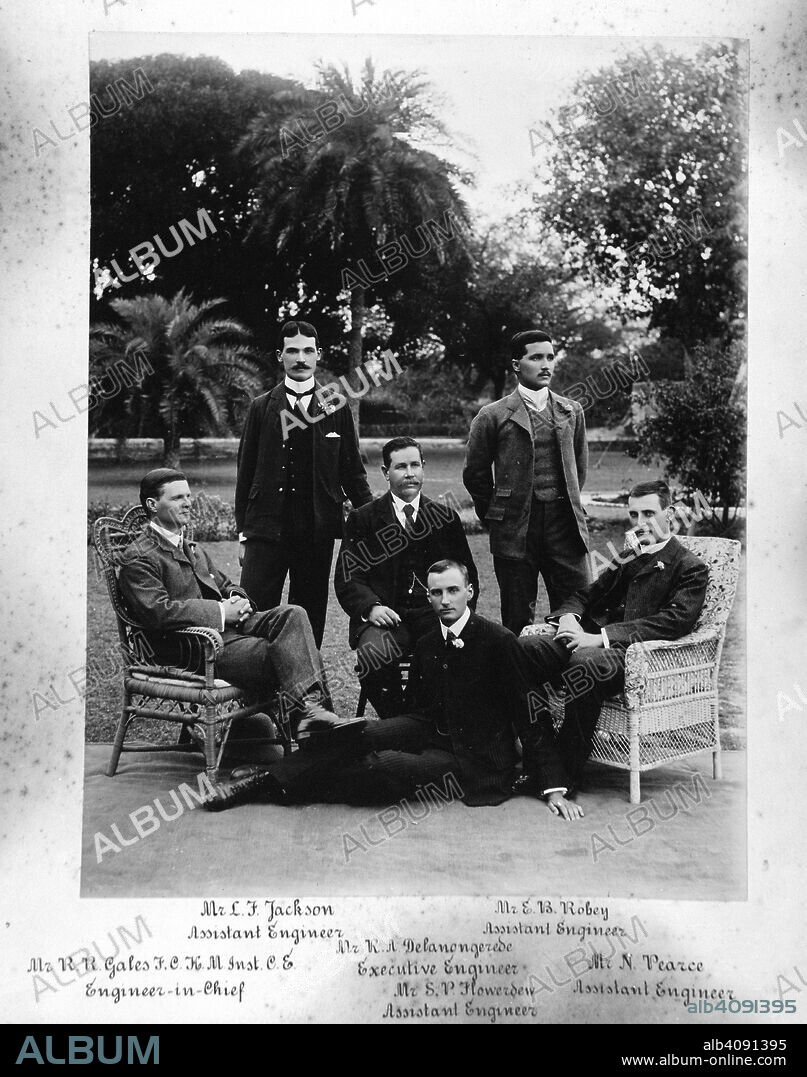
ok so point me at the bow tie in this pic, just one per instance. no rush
(292, 392)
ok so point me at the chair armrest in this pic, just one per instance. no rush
(211, 642)
(661, 662)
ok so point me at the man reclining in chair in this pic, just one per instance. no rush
(169, 583)
(655, 592)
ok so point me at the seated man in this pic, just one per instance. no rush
(380, 578)
(655, 592)
(466, 693)
(169, 583)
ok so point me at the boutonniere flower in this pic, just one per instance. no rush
(455, 641)
(660, 564)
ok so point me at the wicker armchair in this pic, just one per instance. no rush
(204, 705)
(669, 706)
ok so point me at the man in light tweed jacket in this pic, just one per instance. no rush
(525, 467)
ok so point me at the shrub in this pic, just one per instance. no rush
(213, 519)
(698, 429)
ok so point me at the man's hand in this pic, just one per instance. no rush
(236, 610)
(242, 545)
(568, 620)
(566, 809)
(576, 637)
(383, 617)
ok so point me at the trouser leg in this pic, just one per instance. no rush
(518, 588)
(264, 572)
(591, 676)
(378, 653)
(276, 649)
(309, 579)
(560, 553)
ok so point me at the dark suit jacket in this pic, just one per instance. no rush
(478, 696)
(338, 470)
(661, 603)
(370, 557)
(499, 467)
(165, 589)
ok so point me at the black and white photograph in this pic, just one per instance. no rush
(435, 621)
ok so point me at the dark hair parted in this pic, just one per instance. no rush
(443, 566)
(291, 329)
(151, 485)
(529, 336)
(653, 486)
(396, 445)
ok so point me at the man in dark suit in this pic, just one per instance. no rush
(525, 466)
(380, 578)
(656, 591)
(297, 462)
(466, 699)
(169, 583)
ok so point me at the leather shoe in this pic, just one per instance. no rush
(257, 782)
(318, 719)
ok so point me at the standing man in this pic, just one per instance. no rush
(380, 576)
(297, 462)
(466, 701)
(657, 592)
(525, 466)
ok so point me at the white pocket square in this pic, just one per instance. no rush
(332, 435)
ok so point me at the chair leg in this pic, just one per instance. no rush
(635, 773)
(211, 751)
(717, 766)
(120, 736)
(635, 791)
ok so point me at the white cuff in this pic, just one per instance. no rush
(242, 537)
(605, 642)
(223, 618)
(560, 789)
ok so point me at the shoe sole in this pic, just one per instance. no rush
(354, 725)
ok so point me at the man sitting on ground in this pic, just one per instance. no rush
(466, 699)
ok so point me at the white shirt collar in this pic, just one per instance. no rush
(535, 397)
(174, 538)
(300, 386)
(398, 505)
(656, 546)
(457, 627)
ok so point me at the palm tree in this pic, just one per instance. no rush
(202, 370)
(327, 199)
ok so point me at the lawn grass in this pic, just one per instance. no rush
(117, 484)
(103, 694)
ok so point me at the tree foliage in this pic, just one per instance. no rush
(646, 188)
(698, 427)
(204, 372)
(345, 175)
(167, 155)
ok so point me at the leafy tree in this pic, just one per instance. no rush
(204, 373)
(645, 170)
(345, 175)
(698, 428)
(169, 154)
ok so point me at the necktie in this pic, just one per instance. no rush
(298, 399)
(409, 512)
